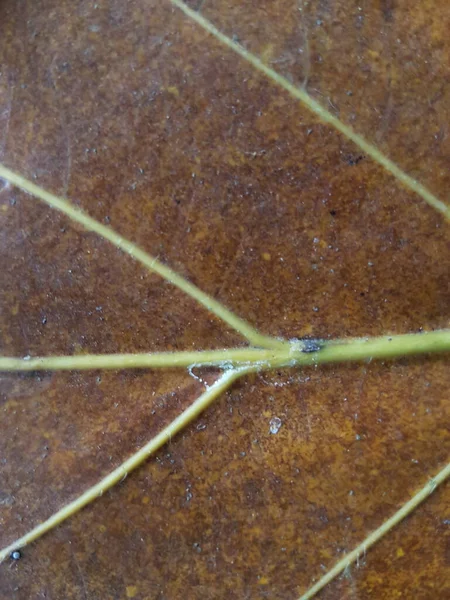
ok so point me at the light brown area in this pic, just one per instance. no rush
(148, 123)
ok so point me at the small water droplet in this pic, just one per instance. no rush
(4, 185)
(274, 425)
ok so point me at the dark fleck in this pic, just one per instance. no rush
(333, 213)
(387, 8)
(311, 345)
(353, 160)
(65, 66)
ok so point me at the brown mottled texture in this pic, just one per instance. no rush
(148, 123)
(380, 66)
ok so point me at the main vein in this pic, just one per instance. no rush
(296, 353)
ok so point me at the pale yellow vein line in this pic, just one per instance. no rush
(292, 355)
(132, 463)
(150, 262)
(314, 106)
(376, 535)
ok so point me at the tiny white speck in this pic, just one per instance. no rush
(27, 357)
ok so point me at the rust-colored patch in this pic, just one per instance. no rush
(151, 125)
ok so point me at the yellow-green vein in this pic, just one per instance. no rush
(376, 535)
(97, 490)
(314, 106)
(150, 262)
(296, 353)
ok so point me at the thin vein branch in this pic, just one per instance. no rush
(315, 107)
(376, 535)
(296, 353)
(150, 262)
(97, 490)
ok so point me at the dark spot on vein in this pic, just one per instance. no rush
(311, 345)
